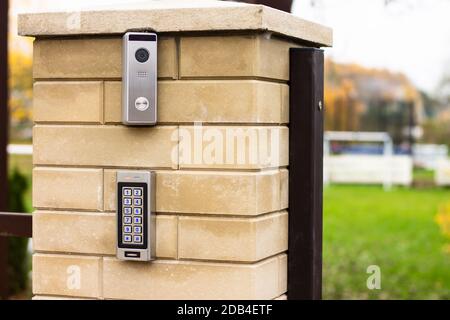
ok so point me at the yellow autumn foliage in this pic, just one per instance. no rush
(350, 88)
(20, 83)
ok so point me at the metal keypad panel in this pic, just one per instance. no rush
(132, 215)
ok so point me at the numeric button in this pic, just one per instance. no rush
(127, 220)
(137, 220)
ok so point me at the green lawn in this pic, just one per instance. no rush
(396, 230)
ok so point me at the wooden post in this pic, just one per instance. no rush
(305, 174)
(3, 140)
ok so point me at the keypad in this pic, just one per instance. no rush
(132, 209)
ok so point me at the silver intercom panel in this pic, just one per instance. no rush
(139, 78)
(135, 215)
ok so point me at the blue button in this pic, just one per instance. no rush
(137, 229)
(137, 220)
(127, 192)
(127, 210)
(127, 229)
(137, 211)
(127, 220)
(137, 201)
(137, 192)
(127, 201)
(127, 238)
(137, 239)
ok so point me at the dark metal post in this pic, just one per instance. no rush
(305, 174)
(411, 125)
(3, 140)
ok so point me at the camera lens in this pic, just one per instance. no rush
(142, 55)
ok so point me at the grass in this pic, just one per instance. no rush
(396, 230)
(423, 174)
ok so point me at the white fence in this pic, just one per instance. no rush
(22, 149)
(428, 155)
(442, 173)
(368, 169)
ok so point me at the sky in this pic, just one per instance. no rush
(409, 36)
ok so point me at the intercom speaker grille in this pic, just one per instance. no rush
(142, 74)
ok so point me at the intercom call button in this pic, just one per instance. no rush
(141, 103)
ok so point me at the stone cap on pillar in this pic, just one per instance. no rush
(174, 16)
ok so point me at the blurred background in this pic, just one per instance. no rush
(386, 163)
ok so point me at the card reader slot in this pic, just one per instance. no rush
(131, 254)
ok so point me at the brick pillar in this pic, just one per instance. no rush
(222, 226)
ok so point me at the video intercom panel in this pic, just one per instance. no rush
(139, 78)
(135, 215)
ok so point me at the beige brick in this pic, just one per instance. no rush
(93, 58)
(284, 192)
(58, 298)
(264, 284)
(77, 276)
(216, 101)
(232, 239)
(271, 233)
(105, 146)
(167, 58)
(233, 147)
(69, 101)
(93, 233)
(166, 236)
(74, 232)
(165, 279)
(113, 102)
(235, 193)
(68, 188)
(234, 56)
(284, 104)
(109, 187)
(282, 273)
(273, 57)
(209, 192)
